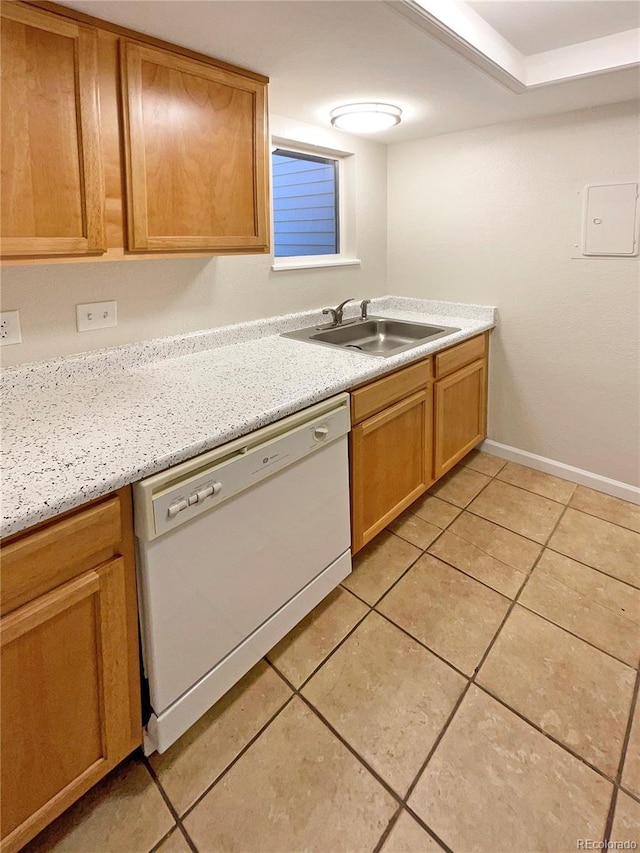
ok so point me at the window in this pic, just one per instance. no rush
(305, 204)
(314, 205)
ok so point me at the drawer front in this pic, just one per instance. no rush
(37, 562)
(460, 355)
(383, 392)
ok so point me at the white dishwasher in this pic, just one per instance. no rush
(234, 548)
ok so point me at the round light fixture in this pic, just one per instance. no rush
(365, 118)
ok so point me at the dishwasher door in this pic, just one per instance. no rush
(220, 589)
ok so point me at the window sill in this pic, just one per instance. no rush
(315, 263)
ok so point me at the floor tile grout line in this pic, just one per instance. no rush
(395, 582)
(472, 680)
(482, 550)
(529, 609)
(393, 820)
(341, 738)
(236, 758)
(438, 739)
(399, 799)
(542, 731)
(630, 793)
(328, 655)
(406, 808)
(563, 479)
(170, 806)
(623, 756)
(540, 495)
(476, 671)
(525, 579)
(473, 577)
(422, 643)
(483, 657)
(502, 702)
(415, 544)
(165, 837)
(574, 589)
(608, 824)
(595, 568)
(600, 518)
(531, 492)
(189, 840)
(497, 524)
(421, 821)
(361, 760)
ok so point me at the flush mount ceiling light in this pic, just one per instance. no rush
(365, 118)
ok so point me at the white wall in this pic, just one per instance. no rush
(491, 216)
(170, 296)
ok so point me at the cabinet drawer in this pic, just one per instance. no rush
(383, 392)
(460, 355)
(37, 562)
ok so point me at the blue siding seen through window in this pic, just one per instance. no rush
(305, 205)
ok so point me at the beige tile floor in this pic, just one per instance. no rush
(472, 686)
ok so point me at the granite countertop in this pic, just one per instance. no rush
(76, 428)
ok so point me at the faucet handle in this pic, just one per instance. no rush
(363, 308)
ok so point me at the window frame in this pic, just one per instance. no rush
(346, 256)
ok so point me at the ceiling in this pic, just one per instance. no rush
(323, 53)
(532, 26)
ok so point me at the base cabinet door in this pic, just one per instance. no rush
(64, 699)
(460, 415)
(390, 464)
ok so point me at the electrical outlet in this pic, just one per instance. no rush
(10, 328)
(96, 315)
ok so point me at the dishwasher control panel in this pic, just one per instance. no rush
(197, 497)
(172, 498)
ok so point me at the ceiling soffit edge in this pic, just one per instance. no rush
(465, 32)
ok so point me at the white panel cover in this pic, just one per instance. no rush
(610, 219)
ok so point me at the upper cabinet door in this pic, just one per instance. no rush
(52, 183)
(196, 154)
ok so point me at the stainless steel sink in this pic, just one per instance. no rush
(379, 336)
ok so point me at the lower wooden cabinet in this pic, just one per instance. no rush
(69, 695)
(390, 464)
(409, 430)
(460, 415)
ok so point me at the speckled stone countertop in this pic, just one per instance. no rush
(76, 428)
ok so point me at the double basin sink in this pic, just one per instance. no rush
(379, 336)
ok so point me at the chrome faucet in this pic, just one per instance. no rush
(363, 308)
(336, 313)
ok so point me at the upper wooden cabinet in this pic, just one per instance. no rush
(196, 179)
(52, 183)
(115, 144)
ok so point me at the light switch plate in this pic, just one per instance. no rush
(96, 315)
(10, 328)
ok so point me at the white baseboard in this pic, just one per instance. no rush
(576, 475)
